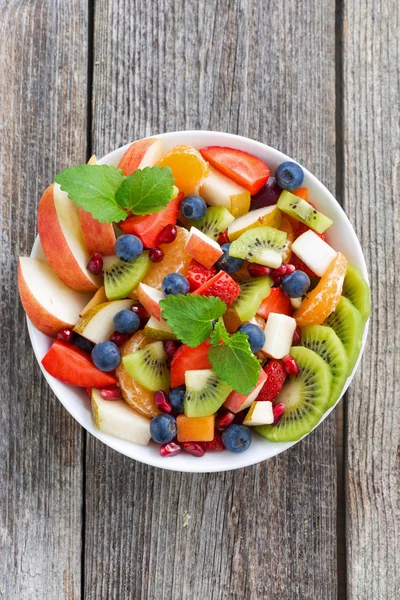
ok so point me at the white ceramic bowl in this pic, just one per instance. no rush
(341, 236)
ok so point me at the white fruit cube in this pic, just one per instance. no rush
(219, 190)
(202, 248)
(236, 402)
(314, 252)
(260, 413)
(118, 419)
(252, 218)
(279, 330)
(97, 324)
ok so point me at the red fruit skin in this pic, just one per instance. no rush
(244, 168)
(216, 444)
(276, 302)
(276, 376)
(149, 227)
(74, 366)
(222, 286)
(197, 274)
(189, 359)
(291, 366)
(194, 448)
(170, 449)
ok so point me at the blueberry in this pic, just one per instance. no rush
(176, 396)
(237, 438)
(289, 175)
(126, 321)
(82, 343)
(106, 356)
(227, 263)
(255, 334)
(128, 247)
(175, 284)
(193, 207)
(296, 284)
(163, 428)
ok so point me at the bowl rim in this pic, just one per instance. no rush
(192, 464)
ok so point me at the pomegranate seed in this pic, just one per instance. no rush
(278, 410)
(161, 402)
(290, 364)
(223, 421)
(216, 444)
(279, 273)
(170, 449)
(95, 264)
(65, 334)
(170, 347)
(296, 336)
(119, 338)
(193, 448)
(167, 235)
(239, 417)
(223, 238)
(141, 313)
(255, 270)
(156, 254)
(111, 393)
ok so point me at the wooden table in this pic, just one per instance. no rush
(318, 80)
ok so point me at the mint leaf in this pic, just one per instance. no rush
(94, 187)
(233, 361)
(219, 334)
(147, 190)
(191, 317)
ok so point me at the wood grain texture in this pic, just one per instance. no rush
(372, 186)
(265, 70)
(43, 58)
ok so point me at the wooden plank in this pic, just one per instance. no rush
(372, 187)
(260, 69)
(43, 53)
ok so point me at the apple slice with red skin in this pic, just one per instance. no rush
(236, 402)
(150, 298)
(202, 248)
(141, 154)
(74, 366)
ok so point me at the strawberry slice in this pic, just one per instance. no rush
(74, 366)
(244, 168)
(221, 285)
(276, 302)
(149, 227)
(197, 274)
(276, 376)
(189, 359)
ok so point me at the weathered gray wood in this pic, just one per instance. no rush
(43, 58)
(372, 187)
(266, 70)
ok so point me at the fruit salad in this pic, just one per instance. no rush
(195, 296)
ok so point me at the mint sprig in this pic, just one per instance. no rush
(191, 317)
(108, 195)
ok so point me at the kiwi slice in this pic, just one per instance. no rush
(252, 293)
(263, 245)
(214, 222)
(324, 341)
(149, 367)
(356, 289)
(205, 393)
(303, 211)
(305, 396)
(120, 277)
(347, 323)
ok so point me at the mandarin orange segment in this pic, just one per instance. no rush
(188, 167)
(195, 429)
(134, 394)
(175, 260)
(324, 298)
(288, 229)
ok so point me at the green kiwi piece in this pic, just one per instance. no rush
(205, 393)
(306, 397)
(263, 245)
(356, 289)
(324, 341)
(347, 323)
(252, 293)
(149, 367)
(303, 211)
(214, 222)
(120, 277)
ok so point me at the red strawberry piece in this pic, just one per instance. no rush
(188, 359)
(276, 302)
(276, 376)
(244, 168)
(197, 274)
(216, 444)
(222, 286)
